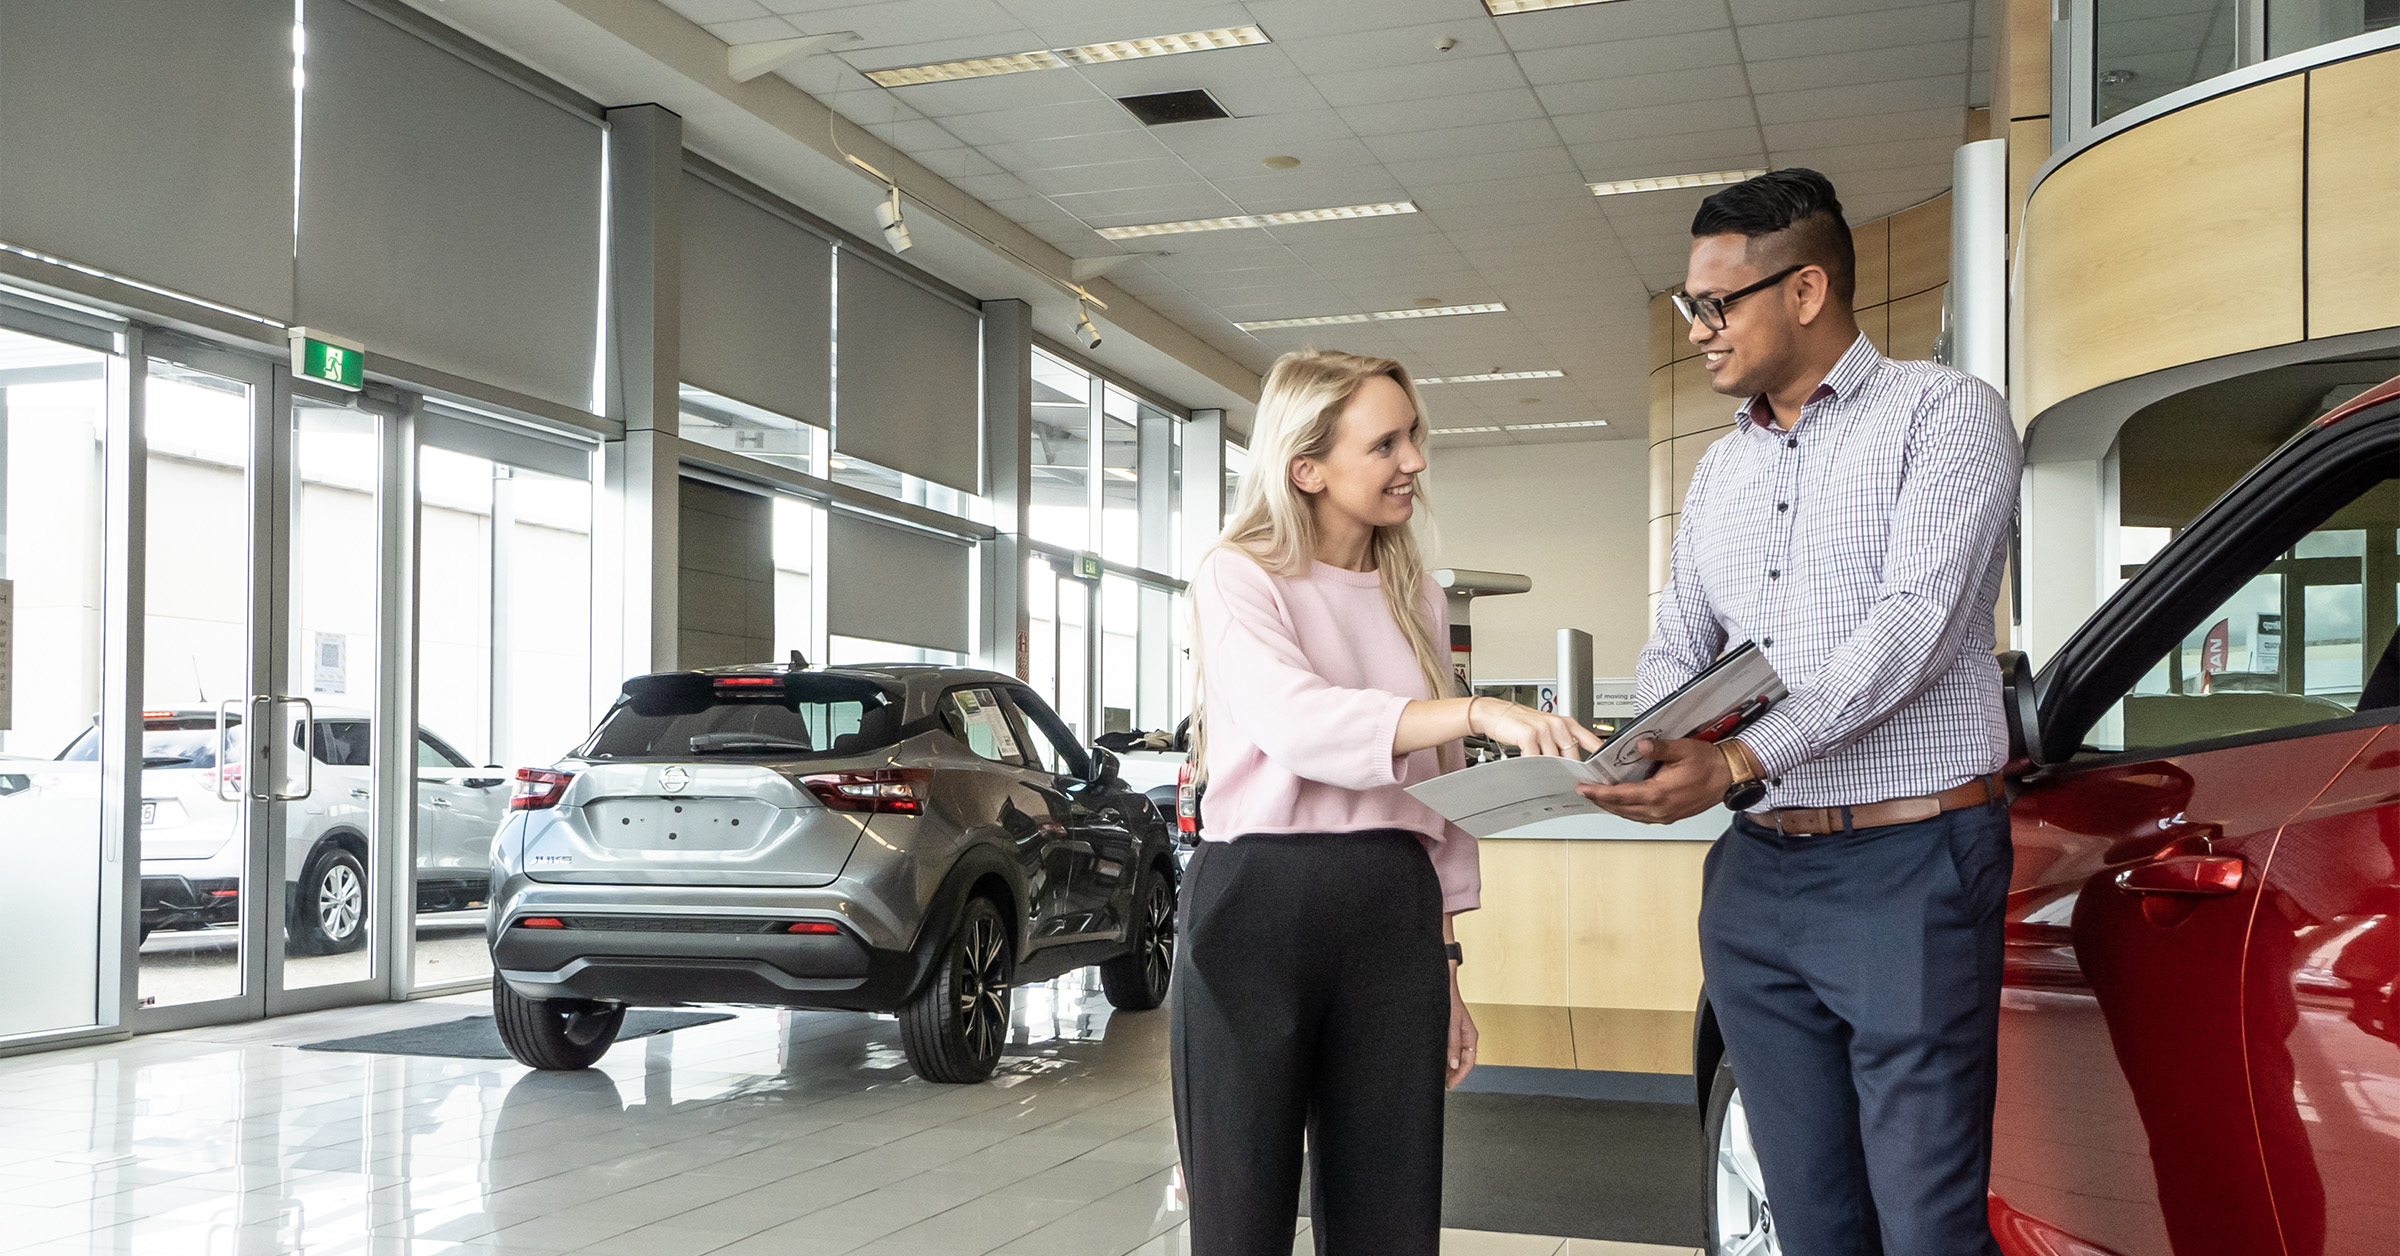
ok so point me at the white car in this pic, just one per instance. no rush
(192, 864)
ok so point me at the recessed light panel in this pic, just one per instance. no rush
(1666, 181)
(1326, 320)
(1502, 8)
(1061, 58)
(1237, 221)
(1491, 377)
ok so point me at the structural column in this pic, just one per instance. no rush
(635, 602)
(1008, 482)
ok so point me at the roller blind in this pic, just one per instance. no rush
(509, 444)
(448, 217)
(153, 139)
(757, 305)
(910, 366)
(887, 583)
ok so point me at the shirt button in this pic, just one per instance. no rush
(1783, 506)
(1768, 642)
(1793, 443)
(1774, 575)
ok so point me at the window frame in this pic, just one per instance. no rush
(1045, 722)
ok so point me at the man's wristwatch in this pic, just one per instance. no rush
(1456, 955)
(1747, 790)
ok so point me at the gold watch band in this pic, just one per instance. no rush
(1738, 761)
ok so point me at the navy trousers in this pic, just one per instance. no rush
(1856, 978)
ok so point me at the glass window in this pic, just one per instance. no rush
(736, 427)
(2144, 49)
(1062, 453)
(1121, 479)
(798, 528)
(2307, 639)
(977, 718)
(682, 713)
(2293, 25)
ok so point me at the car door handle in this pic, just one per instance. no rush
(358, 793)
(2207, 875)
(438, 801)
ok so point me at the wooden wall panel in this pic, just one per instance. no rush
(2172, 242)
(1687, 451)
(1921, 247)
(2354, 195)
(1662, 553)
(1662, 479)
(1631, 1040)
(1662, 404)
(1915, 323)
(1523, 1037)
(2022, 86)
(1517, 944)
(1876, 323)
(1634, 910)
(1872, 241)
(2028, 148)
(1698, 408)
(1663, 329)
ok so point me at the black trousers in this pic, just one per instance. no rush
(1856, 977)
(1311, 995)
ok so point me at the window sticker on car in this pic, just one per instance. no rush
(549, 861)
(984, 716)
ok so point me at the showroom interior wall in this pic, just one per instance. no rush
(509, 502)
(1569, 516)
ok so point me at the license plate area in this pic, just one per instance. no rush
(149, 813)
(679, 824)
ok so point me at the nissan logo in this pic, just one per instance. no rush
(673, 780)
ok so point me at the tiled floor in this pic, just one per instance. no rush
(791, 1134)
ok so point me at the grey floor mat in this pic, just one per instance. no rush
(477, 1038)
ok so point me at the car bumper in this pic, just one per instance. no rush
(177, 900)
(664, 947)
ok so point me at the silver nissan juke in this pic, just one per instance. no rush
(909, 839)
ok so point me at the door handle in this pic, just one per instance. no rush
(438, 801)
(358, 793)
(2191, 875)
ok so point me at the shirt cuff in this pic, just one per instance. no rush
(1464, 898)
(1777, 745)
(1386, 765)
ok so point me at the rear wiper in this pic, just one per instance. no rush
(753, 743)
(165, 760)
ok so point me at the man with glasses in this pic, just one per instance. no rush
(1853, 524)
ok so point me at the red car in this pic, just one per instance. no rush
(2200, 1030)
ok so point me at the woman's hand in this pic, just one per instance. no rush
(1462, 1035)
(1534, 732)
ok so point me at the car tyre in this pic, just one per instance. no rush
(1739, 1221)
(555, 1034)
(329, 907)
(954, 1028)
(1137, 980)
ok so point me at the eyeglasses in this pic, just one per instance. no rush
(1710, 311)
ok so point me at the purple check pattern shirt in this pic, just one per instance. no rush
(1863, 551)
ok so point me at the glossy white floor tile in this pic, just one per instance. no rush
(796, 1134)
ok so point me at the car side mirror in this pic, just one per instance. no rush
(486, 782)
(1104, 766)
(2018, 703)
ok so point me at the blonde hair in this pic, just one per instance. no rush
(1273, 525)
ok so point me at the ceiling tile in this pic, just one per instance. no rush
(1655, 120)
(1460, 141)
(1690, 51)
(1355, 88)
(1895, 28)
(1735, 148)
(1630, 91)
(1865, 101)
(1866, 65)
(1047, 122)
(1443, 111)
(1155, 173)
(1906, 124)
(1435, 171)
(1600, 23)
(708, 12)
(1392, 46)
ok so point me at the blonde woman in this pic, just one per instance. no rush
(1311, 992)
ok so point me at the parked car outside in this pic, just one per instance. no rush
(192, 860)
(2200, 1021)
(905, 838)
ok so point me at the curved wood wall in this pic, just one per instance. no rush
(2261, 217)
(1903, 274)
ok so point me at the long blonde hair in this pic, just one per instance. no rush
(1273, 525)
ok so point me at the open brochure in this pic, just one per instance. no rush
(1495, 797)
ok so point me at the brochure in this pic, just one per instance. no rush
(1495, 797)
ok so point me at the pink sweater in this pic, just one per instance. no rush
(1303, 683)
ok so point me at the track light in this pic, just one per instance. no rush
(895, 228)
(1084, 327)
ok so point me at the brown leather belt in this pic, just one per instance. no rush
(1818, 821)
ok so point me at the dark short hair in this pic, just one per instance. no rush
(1791, 217)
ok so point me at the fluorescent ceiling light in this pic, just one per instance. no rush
(1326, 320)
(1547, 427)
(1501, 8)
(1491, 377)
(1061, 58)
(1463, 431)
(1237, 221)
(1665, 181)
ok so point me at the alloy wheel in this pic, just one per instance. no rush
(1158, 934)
(983, 988)
(1745, 1226)
(341, 900)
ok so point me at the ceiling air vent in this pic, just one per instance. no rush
(1161, 108)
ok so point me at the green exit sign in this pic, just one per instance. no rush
(328, 359)
(1087, 566)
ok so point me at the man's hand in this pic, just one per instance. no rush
(1691, 778)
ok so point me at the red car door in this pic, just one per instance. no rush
(2323, 1016)
(2121, 1118)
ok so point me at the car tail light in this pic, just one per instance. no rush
(224, 893)
(539, 788)
(541, 922)
(892, 791)
(1187, 801)
(749, 682)
(813, 927)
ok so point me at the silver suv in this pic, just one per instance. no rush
(906, 839)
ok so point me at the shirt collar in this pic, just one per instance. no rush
(1857, 363)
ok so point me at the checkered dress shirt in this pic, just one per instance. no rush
(1862, 551)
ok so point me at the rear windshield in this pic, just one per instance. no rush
(683, 716)
(182, 741)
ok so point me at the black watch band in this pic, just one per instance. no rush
(1456, 955)
(1743, 795)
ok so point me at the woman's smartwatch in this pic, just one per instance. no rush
(1747, 790)
(1456, 955)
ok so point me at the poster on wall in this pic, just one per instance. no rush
(333, 661)
(2266, 644)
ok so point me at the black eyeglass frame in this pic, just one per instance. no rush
(1711, 310)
